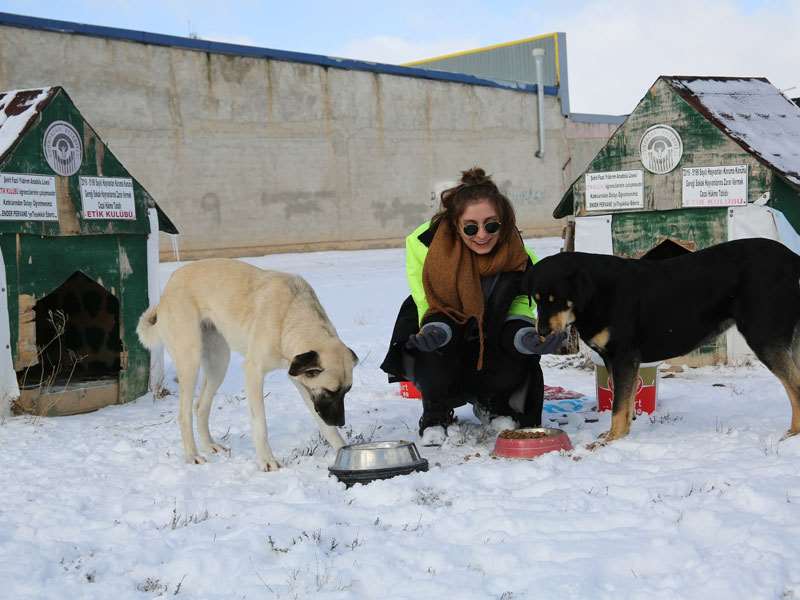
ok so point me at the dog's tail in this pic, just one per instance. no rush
(147, 330)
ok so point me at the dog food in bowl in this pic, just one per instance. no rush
(530, 442)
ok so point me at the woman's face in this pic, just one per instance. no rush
(479, 213)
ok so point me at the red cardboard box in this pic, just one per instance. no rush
(646, 387)
(409, 390)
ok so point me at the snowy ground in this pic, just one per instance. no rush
(700, 501)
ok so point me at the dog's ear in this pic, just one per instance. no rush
(354, 355)
(582, 289)
(304, 363)
(526, 284)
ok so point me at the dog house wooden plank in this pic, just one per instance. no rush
(27, 354)
(68, 209)
(82, 398)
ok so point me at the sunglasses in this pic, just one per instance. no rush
(492, 227)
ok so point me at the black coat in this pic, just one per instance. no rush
(499, 292)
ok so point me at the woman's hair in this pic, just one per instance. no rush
(475, 186)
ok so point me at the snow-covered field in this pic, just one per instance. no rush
(700, 501)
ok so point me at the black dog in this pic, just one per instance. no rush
(631, 311)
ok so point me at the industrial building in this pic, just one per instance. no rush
(254, 150)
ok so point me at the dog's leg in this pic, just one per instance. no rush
(793, 391)
(786, 370)
(330, 433)
(216, 357)
(186, 367)
(624, 371)
(780, 359)
(254, 381)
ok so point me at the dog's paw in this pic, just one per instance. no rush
(433, 436)
(268, 465)
(218, 449)
(601, 441)
(595, 445)
(788, 434)
(499, 424)
(196, 459)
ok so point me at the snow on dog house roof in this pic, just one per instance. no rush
(21, 111)
(18, 109)
(754, 113)
(719, 118)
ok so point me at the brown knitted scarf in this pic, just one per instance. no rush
(451, 275)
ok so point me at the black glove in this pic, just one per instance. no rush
(433, 335)
(527, 341)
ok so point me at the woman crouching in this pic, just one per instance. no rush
(466, 334)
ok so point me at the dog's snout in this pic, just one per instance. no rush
(332, 411)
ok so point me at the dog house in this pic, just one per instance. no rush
(701, 160)
(79, 244)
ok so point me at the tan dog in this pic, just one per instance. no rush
(273, 319)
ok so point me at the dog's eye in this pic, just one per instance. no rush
(311, 373)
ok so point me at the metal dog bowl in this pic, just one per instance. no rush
(363, 463)
(530, 442)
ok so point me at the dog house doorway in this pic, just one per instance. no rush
(669, 248)
(78, 350)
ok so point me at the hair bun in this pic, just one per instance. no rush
(474, 176)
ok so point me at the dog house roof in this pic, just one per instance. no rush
(751, 111)
(19, 110)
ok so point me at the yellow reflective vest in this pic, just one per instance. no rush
(416, 251)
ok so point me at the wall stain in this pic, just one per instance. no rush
(327, 104)
(173, 102)
(411, 214)
(234, 69)
(211, 207)
(299, 203)
(379, 122)
(270, 90)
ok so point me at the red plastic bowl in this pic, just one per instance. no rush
(555, 440)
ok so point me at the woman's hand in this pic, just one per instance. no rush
(528, 341)
(431, 337)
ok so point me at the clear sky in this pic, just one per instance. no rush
(616, 49)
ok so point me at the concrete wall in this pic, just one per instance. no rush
(250, 155)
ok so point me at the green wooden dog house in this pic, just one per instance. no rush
(77, 236)
(700, 161)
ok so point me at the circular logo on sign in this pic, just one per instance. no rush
(661, 149)
(62, 148)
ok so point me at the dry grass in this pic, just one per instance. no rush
(50, 373)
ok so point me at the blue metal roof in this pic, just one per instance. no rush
(157, 39)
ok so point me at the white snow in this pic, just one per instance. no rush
(11, 126)
(757, 114)
(700, 501)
